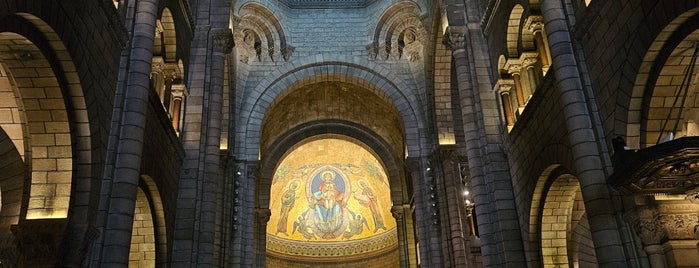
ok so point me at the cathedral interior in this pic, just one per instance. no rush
(349, 133)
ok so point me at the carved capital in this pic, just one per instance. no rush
(223, 40)
(455, 37)
(398, 212)
(514, 68)
(535, 23)
(528, 59)
(372, 50)
(505, 85)
(693, 196)
(680, 226)
(649, 228)
(287, 51)
(263, 214)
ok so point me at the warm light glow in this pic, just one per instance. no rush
(331, 191)
(466, 193)
(447, 139)
(46, 214)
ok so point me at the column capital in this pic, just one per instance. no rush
(535, 23)
(455, 37)
(398, 211)
(223, 40)
(528, 59)
(648, 226)
(679, 226)
(263, 214)
(505, 85)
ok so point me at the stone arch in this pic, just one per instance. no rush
(252, 112)
(142, 250)
(675, 30)
(399, 32)
(333, 128)
(12, 173)
(557, 220)
(335, 96)
(259, 34)
(152, 194)
(514, 25)
(168, 37)
(392, 163)
(54, 108)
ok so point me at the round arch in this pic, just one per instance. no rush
(558, 223)
(513, 31)
(676, 29)
(252, 112)
(157, 213)
(12, 173)
(57, 58)
(392, 163)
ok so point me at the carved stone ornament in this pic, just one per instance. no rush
(455, 37)
(397, 212)
(534, 23)
(693, 196)
(680, 226)
(223, 40)
(649, 228)
(371, 50)
(287, 51)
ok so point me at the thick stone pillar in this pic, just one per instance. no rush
(242, 249)
(426, 211)
(587, 159)
(123, 163)
(453, 208)
(200, 180)
(261, 218)
(406, 236)
(652, 232)
(493, 196)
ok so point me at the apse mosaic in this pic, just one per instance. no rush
(330, 191)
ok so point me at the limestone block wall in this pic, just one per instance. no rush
(162, 159)
(537, 141)
(615, 37)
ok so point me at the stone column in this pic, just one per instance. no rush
(651, 231)
(406, 236)
(453, 208)
(243, 252)
(513, 67)
(497, 219)
(261, 218)
(532, 73)
(586, 156)
(167, 93)
(123, 167)
(426, 211)
(200, 179)
(179, 93)
(536, 26)
(507, 107)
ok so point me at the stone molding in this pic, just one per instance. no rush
(455, 37)
(223, 40)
